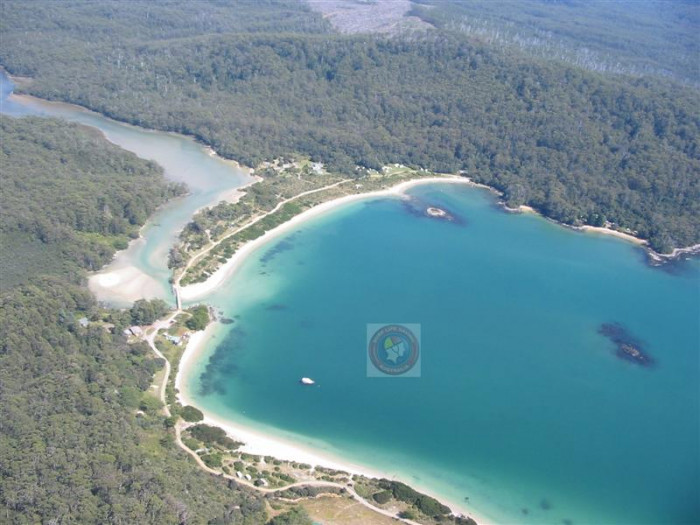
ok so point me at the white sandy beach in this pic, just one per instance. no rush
(586, 228)
(614, 233)
(233, 195)
(293, 449)
(121, 283)
(197, 291)
(124, 285)
(257, 442)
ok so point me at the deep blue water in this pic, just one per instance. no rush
(522, 406)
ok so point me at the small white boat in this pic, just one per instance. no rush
(307, 381)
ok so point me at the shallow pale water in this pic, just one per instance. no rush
(208, 178)
(522, 406)
(521, 403)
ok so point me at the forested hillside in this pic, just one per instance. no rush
(641, 37)
(70, 195)
(72, 447)
(578, 146)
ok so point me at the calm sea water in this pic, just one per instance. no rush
(522, 406)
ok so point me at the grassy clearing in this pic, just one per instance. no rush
(343, 511)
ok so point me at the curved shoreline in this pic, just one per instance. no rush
(260, 443)
(281, 448)
(197, 291)
(121, 281)
(280, 230)
(655, 258)
(256, 442)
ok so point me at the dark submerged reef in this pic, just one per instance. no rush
(221, 365)
(419, 208)
(282, 246)
(628, 347)
(276, 307)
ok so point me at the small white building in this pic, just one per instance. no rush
(174, 339)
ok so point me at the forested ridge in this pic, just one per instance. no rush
(641, 37)
(258, 80)
(72, 447)
(69, 195)
(579, 146)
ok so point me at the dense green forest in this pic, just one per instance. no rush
(654, 37)
(258, 80)
(72, 447)
(579, 146)
(69, 198)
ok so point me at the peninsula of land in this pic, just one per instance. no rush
(212, 257)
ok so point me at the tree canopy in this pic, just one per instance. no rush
(69, 195)
(579, 146)
(72, 446)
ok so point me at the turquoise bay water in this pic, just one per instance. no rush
(208, 179)
(522, 406)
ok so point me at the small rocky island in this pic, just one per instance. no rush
(436, 212)
(628, 348)
(420, 208)
(440, 214)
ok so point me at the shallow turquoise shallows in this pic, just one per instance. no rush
(522, 406)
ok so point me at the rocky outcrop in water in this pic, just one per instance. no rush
(419, 208)
(628, 347)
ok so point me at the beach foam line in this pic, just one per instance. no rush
(198, 291)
